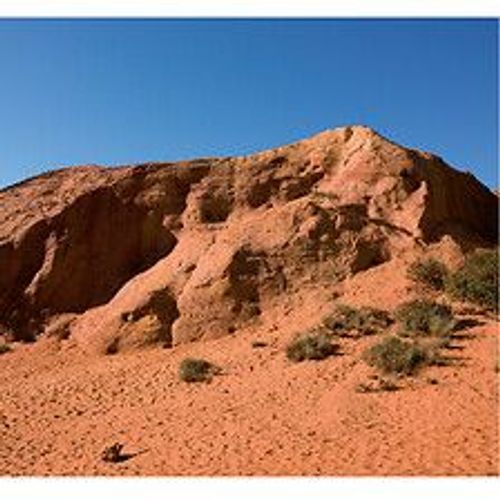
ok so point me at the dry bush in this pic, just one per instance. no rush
(423, 317)
(430, 272)
(197, 370)
(477, 280)
(393, 355)
(311, 346)
(364, 321)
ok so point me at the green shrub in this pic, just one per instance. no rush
(365, 321)
(4, 348)
(477, 280)
(423, 317)
(197, 370)
(395, 356)
(311, 346)
(430, 272)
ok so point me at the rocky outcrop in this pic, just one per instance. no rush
(169, 253)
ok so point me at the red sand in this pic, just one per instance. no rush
(263, 416)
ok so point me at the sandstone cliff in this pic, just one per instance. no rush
(173, 252)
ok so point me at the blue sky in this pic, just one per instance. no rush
(125, 91)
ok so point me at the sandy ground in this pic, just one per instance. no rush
(262, 416)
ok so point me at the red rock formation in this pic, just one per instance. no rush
(124, 257)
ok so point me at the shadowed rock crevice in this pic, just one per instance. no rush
(457, 204)
(260, 192)
(19, 262)
(149, 324)
(100, 244)
(81, 258)
(215, 207)
(243, 282)
(287, 182)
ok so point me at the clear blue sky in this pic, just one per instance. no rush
(116, 91)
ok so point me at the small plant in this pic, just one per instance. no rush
(363, 321)
(311, 346)
(423, 317)
(197, 370)
(5, 348)
(430, 272)
(477, 280)
(395, 356)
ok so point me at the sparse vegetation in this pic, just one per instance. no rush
(393, 355)
(477, 280)
(197, 370)
(311, 347)
(430, 272)
(422, 317)
(5, 348)
(363, 321)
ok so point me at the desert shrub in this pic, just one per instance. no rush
(477, 280)
(197, 370)
(430, 272)
(393, 355)
(423, 317)
(366, 320)
(4, 348)
(310, 346)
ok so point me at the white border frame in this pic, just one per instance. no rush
(249, 8)
(175, 488)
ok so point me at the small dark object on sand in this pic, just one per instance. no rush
(113, 453)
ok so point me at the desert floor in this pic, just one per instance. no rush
(263, 415)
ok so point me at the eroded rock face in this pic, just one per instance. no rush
(169, 253)
(81, 257)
